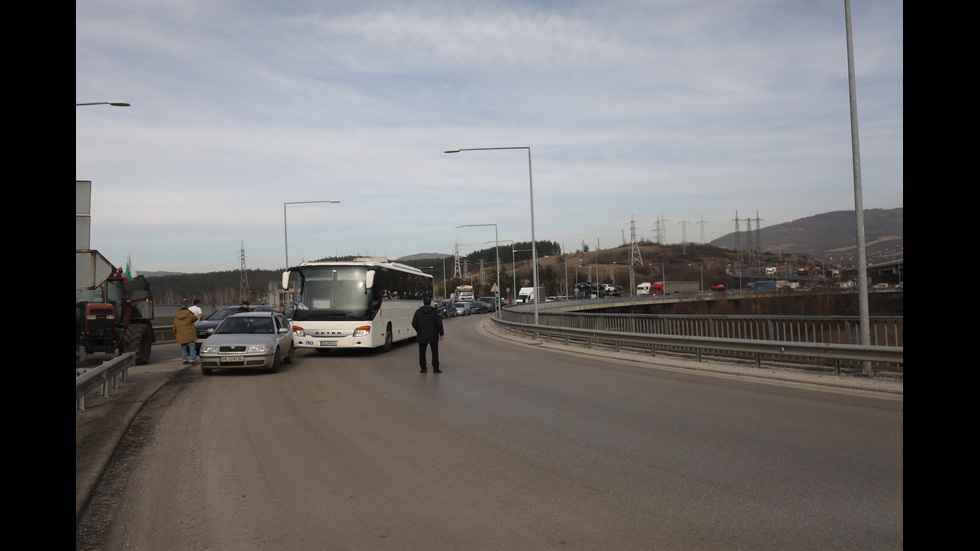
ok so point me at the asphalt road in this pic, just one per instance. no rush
(512, 447)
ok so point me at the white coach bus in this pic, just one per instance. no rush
(363, 303)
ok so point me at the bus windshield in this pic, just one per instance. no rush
(331, 292)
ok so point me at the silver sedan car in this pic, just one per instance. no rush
(248, 340)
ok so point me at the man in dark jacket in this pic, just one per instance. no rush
(427, 322)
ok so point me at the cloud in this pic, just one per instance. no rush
(631, 109)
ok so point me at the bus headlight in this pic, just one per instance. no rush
(298, 331)
(362, 331)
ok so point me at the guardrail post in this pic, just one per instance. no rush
(110, 372)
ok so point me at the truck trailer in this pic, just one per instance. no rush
(773, 285)
(672, 287)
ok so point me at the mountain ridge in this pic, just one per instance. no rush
(828, 235)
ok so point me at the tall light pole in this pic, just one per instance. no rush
(513, 261)
(534, 252)
(566, 269)
(115, 102)
(701, 267)
(513, 250)
(284, 234)
(497, 253)
(445, 294)
(864, 323)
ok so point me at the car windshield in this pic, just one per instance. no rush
(245, 324)
(221, 314)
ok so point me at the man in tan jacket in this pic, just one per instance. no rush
(186, 334)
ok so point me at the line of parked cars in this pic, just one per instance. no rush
(482, 305)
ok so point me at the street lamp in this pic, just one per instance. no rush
(284, 234)
(115, 102)
(534, 252)
(497, 247)
(701, 267)
(513, 261)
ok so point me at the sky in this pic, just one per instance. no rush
(610, 117)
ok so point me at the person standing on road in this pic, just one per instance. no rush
(196, 310)
(428, 327)
(186, 334)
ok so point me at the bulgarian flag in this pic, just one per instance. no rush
(130, 273)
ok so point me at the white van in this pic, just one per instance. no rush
(527, 294)
(643, 288)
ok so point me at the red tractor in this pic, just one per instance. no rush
(111, 313)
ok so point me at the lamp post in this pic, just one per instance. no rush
(516, 289)
(497, 253)
(513, 262)
(701, 268)
(284, 234)
(534, 252)
(445, 293)
(566, 272)
(115, 102)
(864, 320)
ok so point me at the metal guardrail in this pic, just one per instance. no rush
(884, 330)
(107, 374)
(163, 333)
(618, 331)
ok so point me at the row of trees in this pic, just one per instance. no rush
(222, 288)
(557, 271)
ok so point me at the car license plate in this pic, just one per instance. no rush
(232, 359)
(328, 343)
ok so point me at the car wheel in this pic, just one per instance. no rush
(292, 351)
(276, 361)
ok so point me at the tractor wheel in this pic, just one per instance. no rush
(137, 339)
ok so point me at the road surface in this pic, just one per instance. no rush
(512, 447)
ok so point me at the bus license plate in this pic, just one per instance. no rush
(232, 359)
(328, 343)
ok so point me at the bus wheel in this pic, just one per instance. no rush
(388, 339)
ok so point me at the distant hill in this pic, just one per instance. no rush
(831, 235)
(422, 256)
(159, 274)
